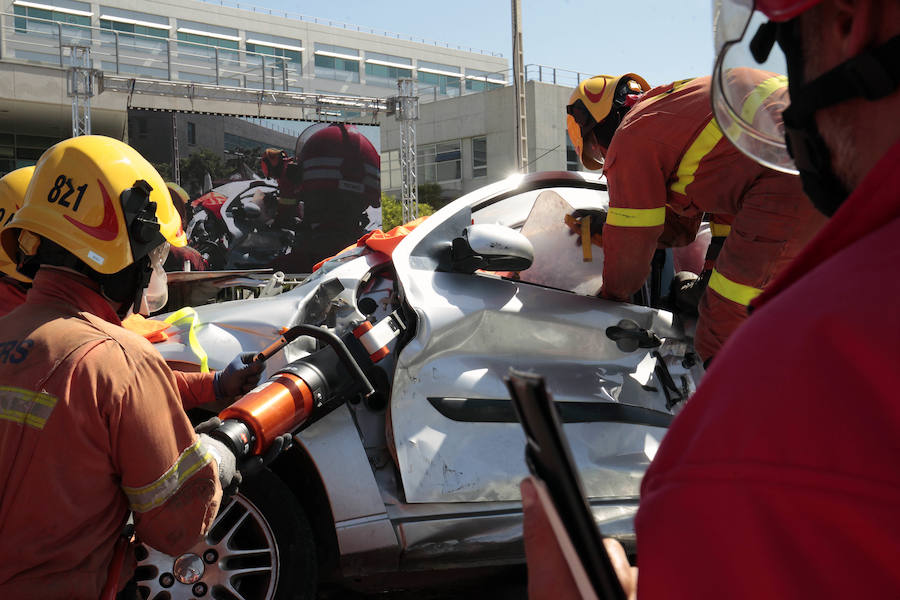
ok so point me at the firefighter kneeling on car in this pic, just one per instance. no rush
(91, 424)
(667, 163)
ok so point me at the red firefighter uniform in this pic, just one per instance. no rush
(669, 160)
(193, 388)
(12, 293)
(794, 478)
(74, 383)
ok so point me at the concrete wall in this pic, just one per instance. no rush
(492, 114)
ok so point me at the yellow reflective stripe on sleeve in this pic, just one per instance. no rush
(731, 290)
(142, 499)
(636, 217)
(755, 100)
(719, 229)
(189, 315)
(701, 146)
(25, 407)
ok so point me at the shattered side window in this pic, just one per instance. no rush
(558, 257)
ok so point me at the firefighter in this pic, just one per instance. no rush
(13, 285)
(340, 182)
(792, 482)
(91, 425)
(666, 164)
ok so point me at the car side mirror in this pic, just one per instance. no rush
(492, 248)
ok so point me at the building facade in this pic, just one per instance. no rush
(203, 43)
(469, 141)
(465, 133)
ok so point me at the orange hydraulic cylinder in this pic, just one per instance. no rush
(276, 407)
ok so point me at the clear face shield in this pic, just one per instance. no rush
(157, 292)
(749, 83)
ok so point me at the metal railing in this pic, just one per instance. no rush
(347, 26)
(42, 41)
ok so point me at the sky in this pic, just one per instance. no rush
(661, 40)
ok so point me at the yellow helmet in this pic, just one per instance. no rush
(591, 103)
(100, 201)
(12, 193)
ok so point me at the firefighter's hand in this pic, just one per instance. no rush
(229, 475)
(254, 464)
(597, 219)
(627, 574)
(239, 377)
(687, 290)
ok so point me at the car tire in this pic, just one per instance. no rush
(260, 547)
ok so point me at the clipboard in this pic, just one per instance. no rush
(549, 459)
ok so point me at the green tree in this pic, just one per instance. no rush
(392, 212)
(431, 194)
(164, 170)
(197, 165)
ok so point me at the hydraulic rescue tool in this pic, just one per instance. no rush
(298, 393)
(307, 388)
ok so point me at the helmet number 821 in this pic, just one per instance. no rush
(57, 194)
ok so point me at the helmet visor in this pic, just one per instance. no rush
(749, 84)
(157, 292)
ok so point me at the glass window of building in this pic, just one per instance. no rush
(391, 178)
(443, 80)
(439, 162)
(133, 22)
(385, 69)
(31, 17)
(479, 81)
(479, 156)
(337, 62)
(192, 133)
(279, 62)
(200, 39)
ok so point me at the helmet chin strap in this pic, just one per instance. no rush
(872, 74)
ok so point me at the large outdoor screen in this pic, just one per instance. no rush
(262, 193)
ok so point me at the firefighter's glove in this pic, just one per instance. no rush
(252, 465)
(229, 475)
(687, 290)
(239, 377)
(587, 225)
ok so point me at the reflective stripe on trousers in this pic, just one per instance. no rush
(731, 290)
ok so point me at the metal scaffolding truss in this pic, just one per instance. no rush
(408, 113)
(80, 87)
(315, 107)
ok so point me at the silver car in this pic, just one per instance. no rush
(424, 474)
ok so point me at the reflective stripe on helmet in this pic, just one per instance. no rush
(25, 407)
(145, 498)
(636, 217)
(731, 290)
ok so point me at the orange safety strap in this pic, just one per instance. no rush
(379, 240)
(151, 329)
